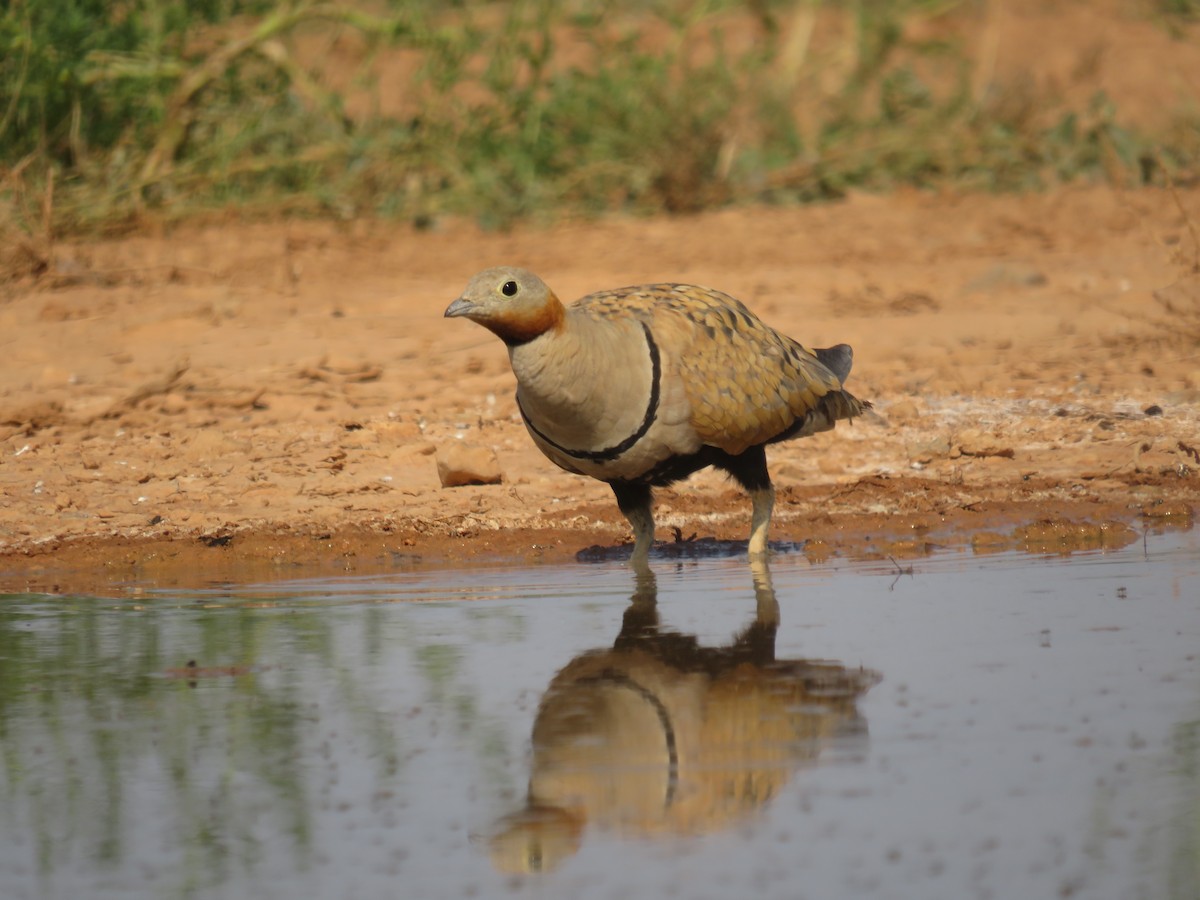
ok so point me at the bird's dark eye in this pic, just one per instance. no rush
(509, 289)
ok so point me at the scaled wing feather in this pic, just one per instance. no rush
(746, 383)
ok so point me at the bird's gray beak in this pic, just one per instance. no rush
(460, 307)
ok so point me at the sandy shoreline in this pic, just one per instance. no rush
(237, 401)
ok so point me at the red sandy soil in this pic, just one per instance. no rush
(257, 401)
(231, 401)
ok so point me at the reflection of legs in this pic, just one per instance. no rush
(757, 643)
(640, 629)
(634, 502)
(764, 592)
(641, 618)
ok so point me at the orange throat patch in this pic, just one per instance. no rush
(520, 327)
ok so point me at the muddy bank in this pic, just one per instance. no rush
(270, 400)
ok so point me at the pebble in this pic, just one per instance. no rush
(459, 463)
(903, 411)
(927, 449)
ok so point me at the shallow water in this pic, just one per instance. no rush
(979, 726)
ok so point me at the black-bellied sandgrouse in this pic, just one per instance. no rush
(642, 386)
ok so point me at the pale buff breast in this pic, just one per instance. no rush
(603, 397)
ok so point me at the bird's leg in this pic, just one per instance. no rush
(762, 502)
(749, 469)
(634, 502)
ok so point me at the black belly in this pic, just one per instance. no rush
(749, 468)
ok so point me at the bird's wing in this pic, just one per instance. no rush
(746, 383)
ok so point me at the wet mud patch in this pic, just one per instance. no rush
(691, 547)
(120, 566)
(218, 429)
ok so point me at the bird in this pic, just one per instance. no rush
(642, 386)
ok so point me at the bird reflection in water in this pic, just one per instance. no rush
(660, 735)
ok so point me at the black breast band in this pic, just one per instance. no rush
(610, 453)
(664, 719)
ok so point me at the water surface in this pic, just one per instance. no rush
(982, 726)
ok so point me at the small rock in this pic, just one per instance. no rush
(927, 449)
(903, 411)
(1154, 410)
(460, 464)
(173, 403)
(973, 442)
(210, 444)
(910, 303)
(34, 417)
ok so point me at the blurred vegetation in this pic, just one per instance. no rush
(102, 725)
(110, 112)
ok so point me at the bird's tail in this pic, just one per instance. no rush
(837, 360)
(837, 405)
(829, 409)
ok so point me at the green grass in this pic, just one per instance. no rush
(110, 113)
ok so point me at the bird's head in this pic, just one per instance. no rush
(513, 303)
